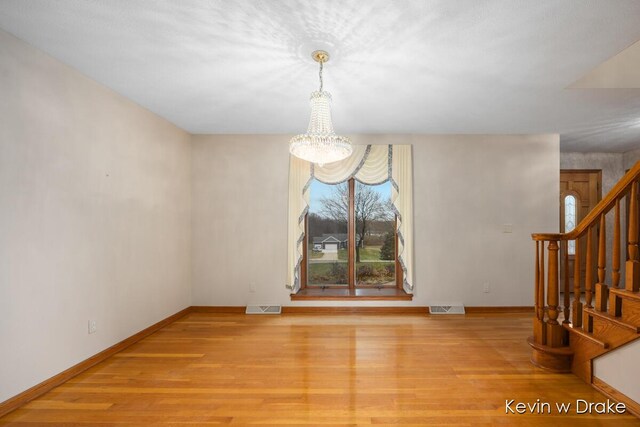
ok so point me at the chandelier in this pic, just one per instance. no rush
(320, 144)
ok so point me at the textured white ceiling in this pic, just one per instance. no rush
(411, 66)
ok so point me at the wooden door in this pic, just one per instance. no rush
(584, 188)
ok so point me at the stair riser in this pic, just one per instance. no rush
(631, 311)
(583, 349)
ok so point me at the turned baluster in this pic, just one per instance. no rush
(588, 277)
(567, 289)
(602, 250)
(577, 292)
(615, 303)
(633, 264)
(602, 290)
(615, 265)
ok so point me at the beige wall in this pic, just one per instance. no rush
(466, 187)
(611, 164)
(631, 157)
(94, 217)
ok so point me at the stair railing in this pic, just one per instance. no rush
(550, 333)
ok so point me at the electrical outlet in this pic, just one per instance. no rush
(93, 326)
(486, 288)
(252, 287)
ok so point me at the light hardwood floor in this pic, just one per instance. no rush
(313, 370)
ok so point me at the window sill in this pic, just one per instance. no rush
(384, 294)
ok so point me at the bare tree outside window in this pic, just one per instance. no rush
(370, 206)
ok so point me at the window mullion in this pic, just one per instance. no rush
(352, 235)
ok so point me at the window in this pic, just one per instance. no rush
(327, 235)
(323, 227)
(351, 237)
(375, 250)
(570, 203)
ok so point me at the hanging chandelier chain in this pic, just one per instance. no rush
(320, 73)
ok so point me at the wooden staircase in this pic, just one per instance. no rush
(601, 315)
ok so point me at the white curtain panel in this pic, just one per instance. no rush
(369, 164)
(402, 197)
(299, 180)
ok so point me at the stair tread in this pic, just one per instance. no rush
(612, 319)
(623, 293)
(586, 335)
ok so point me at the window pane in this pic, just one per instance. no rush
(570, 220)
(375, 235)
(328, 242)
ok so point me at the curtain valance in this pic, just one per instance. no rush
(369, 164)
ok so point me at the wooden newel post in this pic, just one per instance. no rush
(552, 282)
(555, 331)
(602, 290)
(633, 264)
